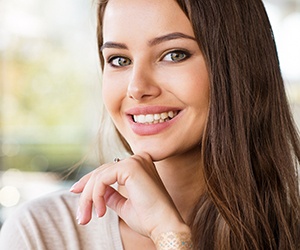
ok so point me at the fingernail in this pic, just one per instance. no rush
(73, 187)
(98, 213)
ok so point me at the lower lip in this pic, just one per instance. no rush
(150, 129)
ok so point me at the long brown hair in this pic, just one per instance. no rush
(250, 148)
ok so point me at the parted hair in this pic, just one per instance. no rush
(250, 148)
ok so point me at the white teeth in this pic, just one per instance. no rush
(155, 118)
(149, 118)
(164, 115)
(171, 114)
(141, 119)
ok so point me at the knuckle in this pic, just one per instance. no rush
(137, 159)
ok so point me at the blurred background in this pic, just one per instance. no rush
(50, 93)
(49, 96)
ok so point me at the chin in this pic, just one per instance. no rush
(156, 154)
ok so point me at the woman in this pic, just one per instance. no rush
(195, 92)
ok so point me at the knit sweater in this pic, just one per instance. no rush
(49, 223)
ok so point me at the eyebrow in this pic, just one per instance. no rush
(113, 45)
(168, 37)
(152, 42)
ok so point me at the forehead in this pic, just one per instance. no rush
(143, 18)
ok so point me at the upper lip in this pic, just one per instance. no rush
(150, 110)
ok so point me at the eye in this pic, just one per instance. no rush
(176, 56)
(119, 61)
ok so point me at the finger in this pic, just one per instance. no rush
(84, 212)
(143, 156)
(102, 190)
(86, 198)
(93, 192)
(98, 197)
(79, 185)
(114, 200)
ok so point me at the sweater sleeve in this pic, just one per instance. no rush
(49, 223)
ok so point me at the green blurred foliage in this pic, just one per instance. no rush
(48, 84)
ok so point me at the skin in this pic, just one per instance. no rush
(153, 64)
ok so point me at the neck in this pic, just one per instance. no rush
(183, 179)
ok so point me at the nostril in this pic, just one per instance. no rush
(142, 86)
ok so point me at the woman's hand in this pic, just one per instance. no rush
(148, 208)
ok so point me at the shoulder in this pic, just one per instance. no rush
(46, 210)
(49, 223)
(58, 204)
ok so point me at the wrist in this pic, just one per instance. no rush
(173, 237)
(174, 241)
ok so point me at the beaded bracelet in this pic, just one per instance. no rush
(174, 241)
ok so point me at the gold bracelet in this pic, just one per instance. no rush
(174, 241)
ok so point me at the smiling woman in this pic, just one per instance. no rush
(195, 93)
(164, 72)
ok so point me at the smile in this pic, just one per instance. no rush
(155, 118)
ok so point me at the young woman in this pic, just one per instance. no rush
(196, 95)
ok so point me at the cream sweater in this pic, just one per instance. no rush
(49, 223)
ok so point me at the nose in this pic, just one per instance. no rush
(142, 84)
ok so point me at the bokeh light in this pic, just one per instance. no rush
(9, 196)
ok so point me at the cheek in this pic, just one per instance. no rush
(200, 96)
(107, 96)
(201, 85)
(112, 92)
(194, 87)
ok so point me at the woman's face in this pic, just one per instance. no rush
(155, 80)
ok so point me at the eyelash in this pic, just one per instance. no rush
(111, 59)
(186, 55)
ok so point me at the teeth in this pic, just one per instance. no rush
(163, 115)
(155, 118)
(140, 119)
(171, 114)
(149, 118)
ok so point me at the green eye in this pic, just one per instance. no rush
(176, 56)
(119, 61)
